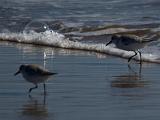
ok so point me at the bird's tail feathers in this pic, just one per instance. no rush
(150, 38)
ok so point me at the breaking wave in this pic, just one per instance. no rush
(87, 40)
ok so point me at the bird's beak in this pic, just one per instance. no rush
(109, 43)
(17, 72)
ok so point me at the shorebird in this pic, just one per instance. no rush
(130, 43)
(34, 74)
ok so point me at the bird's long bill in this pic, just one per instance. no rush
(109, 43)
(17, 72)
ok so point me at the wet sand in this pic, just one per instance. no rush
(89, 86)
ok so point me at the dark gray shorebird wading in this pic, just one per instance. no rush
(130, 43)
(34, 74)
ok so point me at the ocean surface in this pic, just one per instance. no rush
(69, 37)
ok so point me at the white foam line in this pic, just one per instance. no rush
(58, 40)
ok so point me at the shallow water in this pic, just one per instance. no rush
(89, 86)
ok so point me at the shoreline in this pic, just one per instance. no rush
(86, 83)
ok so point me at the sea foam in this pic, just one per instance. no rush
(54, 39)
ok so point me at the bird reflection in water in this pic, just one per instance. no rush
(35, 109)
(129, 80)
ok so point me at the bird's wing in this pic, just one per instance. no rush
(130, 40)
(36, 70)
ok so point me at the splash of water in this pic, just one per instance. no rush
(35, 26)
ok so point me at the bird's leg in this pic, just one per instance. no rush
(33, 88)
(132, 56)
(130, 69)
(140, 55)
(44, 99)
(44, 85)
